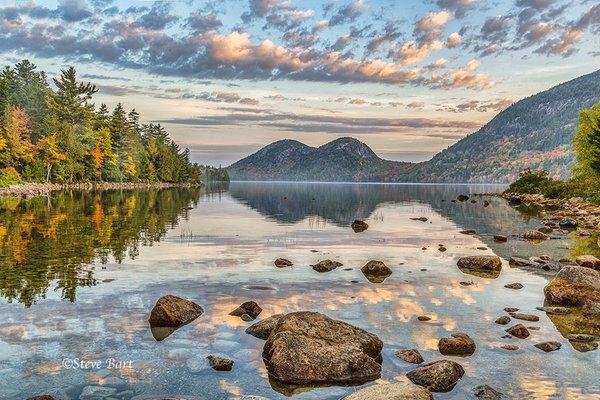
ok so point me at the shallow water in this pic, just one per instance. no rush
(80, 271)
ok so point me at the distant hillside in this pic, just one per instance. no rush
(536, 133)
(344, 159)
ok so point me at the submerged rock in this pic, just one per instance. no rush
(511, 347)
(410, 356)
(311, 348)
(574, 286)
(359, 226)
(468, 232)
(249, 308)
(519, 331)
(376, 271)
(391, 391)
(525, 317)
(588, 261)
(262, 329)
(220, 363)
(485, 392)
(173, 311)
(462, 197)
(326, 265)
(439, 376)
(282, 262)
(456, 346)
(548, 346)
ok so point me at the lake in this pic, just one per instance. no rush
(80, 272)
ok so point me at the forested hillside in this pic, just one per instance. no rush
(536, 133)
(60, 136)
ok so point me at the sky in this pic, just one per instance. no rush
(226, 77)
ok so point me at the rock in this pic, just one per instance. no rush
(326, 265)
(41, 397)
(515, 286)
(591, 309)
(484, 263)
(282, 262)
(521, 262)
(310, 348)
(588, 261)
(503, 320)
(535, 235)
(220, 363)
(465, 283)
(423, 318)
(548, 346)
(422, 219)
(249, 308)
(262, 329)
(574, 286)
(462, 197)
(555, 310)
(580, 337)
(376, 271)
(442, 248)
(173, 311)
(359, 226)
(468, 232)
(525, 317)
(545, 229)
(246, 317)
(485, 392)
(511, 347)
(515, 200)
(486, 203)
(568, 223)
(456, 346)
(510, 309)
(585, 233)
(391, 391)
(584, 347)
(439, 376)
(519, 331)
(411, 356)
(96, 392)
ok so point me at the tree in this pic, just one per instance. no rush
(49, 153)
(15, 135)
(587, 144)
(70, 103)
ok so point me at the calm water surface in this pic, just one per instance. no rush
(80, 271)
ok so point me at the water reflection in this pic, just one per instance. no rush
(46, 242)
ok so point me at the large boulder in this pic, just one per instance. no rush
(173, 311)
(588, 261)
(391, 391)
(574, 286)
(439, 376)
(311, 348)
(376, 271)
(263, 329)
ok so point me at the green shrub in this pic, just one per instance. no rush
(9, 176)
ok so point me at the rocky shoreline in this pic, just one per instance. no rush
(28, 190)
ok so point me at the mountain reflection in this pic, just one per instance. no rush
(46, 241)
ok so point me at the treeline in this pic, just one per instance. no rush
(60, 136)
(585, 181)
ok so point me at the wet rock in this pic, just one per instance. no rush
(525, 317)
(422, 219)
(568, 223)
(574, 286)
(423, 318)
(442, 248)
(462, 197)
(246, 317)
(482, 263)
(535, 235)
(485, 392)
(521, 262)
(359, 226)
(584, 347)
(465, 283)
(173, 311)
(468, 232)
(310, 348)
(515, 200)
(555, 310)
(249, 308)
(326, 265)
(410, 356)
(456, 346)
(482, 248)
(41, 397)
(486, 203)
(580, 337)
(391, 391)
(220, 363)
(510, 309)
(588, 261)
(511, 347)
(262, 329)
(518, 331)
(439, 376)
(282, 262)
(376, 271)
(503, 320)
(548, 346)
(515, 286)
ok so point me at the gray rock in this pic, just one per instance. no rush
(485, 392)
(410, 356)
(548, 346)
(580, 337)
(391, 391)
(503, 320)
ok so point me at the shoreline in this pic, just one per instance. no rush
(28, 190)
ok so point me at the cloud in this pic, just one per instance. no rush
(158, 17)
(320, 25)
(453, 40)
(348, 13)
(74, 10)
(459, 7)
(258, 9)
(416, 104)
(497, 104)
(464, 77)
(221, 97)
(201, 22)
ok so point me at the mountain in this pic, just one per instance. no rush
(536, 133)
(344, 159)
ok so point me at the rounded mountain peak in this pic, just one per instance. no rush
(349, 145)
